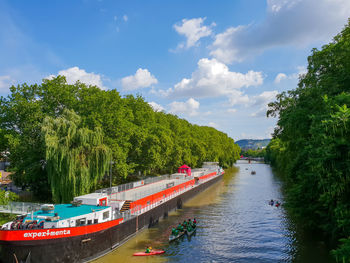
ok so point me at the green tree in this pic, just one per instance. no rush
(76, 157)
(312, 143)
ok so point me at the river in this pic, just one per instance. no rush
(235, 224)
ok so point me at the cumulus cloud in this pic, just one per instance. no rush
(262, 100)
(125, 18)
(188, 107)
(142, 79)
(287, 23)
(75, 74)
(214, 79)
(281, 76)
(156, 106)
(193, 30)
(5, 83)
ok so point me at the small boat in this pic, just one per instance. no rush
(151, 253)
(172, 238)
(253, 172)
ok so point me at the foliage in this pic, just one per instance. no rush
(76, 158)
(253, 144)
(312, 142)
(254, 153)
(140, 139)
(4, 218)
(7, 196)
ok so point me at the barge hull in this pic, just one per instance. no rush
(90, 246)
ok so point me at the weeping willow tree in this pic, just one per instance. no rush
(76, 158)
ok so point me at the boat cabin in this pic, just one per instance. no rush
(63, 215)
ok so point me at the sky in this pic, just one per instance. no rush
(213, 63)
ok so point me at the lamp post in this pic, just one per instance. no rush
(110, 176)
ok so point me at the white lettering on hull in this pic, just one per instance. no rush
(47, 233)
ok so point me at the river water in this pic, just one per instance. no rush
(235, 224)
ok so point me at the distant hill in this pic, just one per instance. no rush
(252, 144)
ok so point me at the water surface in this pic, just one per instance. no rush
(235, 224)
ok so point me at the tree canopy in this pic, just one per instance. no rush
(76, 158)
(311, 144)
(35, 122)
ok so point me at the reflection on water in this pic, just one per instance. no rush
(235, 224)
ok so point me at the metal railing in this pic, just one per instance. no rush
(19, 208)
(128, 186)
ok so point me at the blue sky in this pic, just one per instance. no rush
(215, 63)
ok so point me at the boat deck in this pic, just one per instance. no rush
(65, 211)
(149, 189)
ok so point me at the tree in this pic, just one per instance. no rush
(76, 158)
(312, 143)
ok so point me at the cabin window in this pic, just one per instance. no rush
(77, 222)
(148, 202)
(82, 221)
(89, 222)
(95, 221)
(105, 215)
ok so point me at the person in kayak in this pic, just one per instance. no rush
(174, 232)
(180, 227)
(148, 250)
(184, 224)
(194, 221)
(189, 228)
(271, 202)
(278, 204)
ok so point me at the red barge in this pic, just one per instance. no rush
(95, 224)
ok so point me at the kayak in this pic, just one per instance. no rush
(153, 252)
(190, 233)
(171, 238)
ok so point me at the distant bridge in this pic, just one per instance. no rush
(256, 159)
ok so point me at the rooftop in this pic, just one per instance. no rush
(66, 211)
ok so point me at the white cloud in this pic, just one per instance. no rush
(287, 23)
(193, 30)
(142, 79)
(231, 111)
(265, 97)
(5, 83)
(189, 107)
(156, 106)
(280, 77)
(75, 74)
(262, 101)
(213, 124)
(125, 18)
(214, 79)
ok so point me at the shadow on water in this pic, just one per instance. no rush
(235, 224)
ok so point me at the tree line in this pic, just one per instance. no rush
(62, 138)
(311, 144)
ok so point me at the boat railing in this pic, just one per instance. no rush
(19, 208)
(128, 186)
